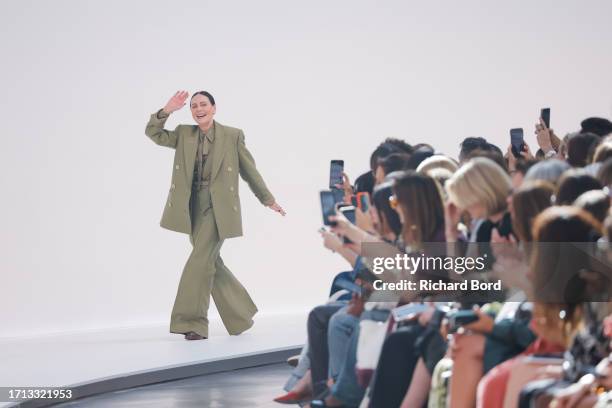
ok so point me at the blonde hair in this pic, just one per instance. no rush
(440, 174)
(437, 161)
(603, 151)
(480, 180)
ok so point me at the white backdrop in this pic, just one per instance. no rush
(83, 188)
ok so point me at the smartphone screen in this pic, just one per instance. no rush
(545, 115)
(349, 213)
(517, 141)
(408, 311)
(338, 195)
(336, 168)
(328, 206)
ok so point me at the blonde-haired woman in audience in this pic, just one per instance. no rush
(483, 347)
(480, 188)
(437, 161)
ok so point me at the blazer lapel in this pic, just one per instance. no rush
(190, 149)
(218, 150)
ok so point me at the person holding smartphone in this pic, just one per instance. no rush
(203, 202)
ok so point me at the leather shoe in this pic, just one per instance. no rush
(293, 360)
(292, 397)
(193, 336)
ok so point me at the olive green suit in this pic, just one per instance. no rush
(209, 216)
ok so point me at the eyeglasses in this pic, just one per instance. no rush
(393, 202)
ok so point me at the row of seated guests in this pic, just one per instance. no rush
(546, 345)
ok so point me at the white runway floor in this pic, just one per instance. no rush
(109, 360)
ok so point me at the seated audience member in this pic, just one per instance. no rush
(490, 342)
(300, 385)
(555, 321)
(580, 149)
(389, 164)
(440, 168)
(547, 170)
(595, 202)
(388, 147)
(573, 183)
(603, 151)
(418, 201)
(562, 153)
(493, 155)
(420, 153)
(343, 331)
(481, 188)
(325, 355)
(573, 382)
(604, 174)
(401, 145)
(599, 126)
(527, 201)
(385, 219)
(422, 220)
(589, 354)
(437, 161)
(471, 144)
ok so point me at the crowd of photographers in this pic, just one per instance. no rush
(366, 349)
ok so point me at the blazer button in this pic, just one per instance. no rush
(173, 186)
(169, 204)
(229, 168)
(235, 208)
(177, 167)
(231, 188)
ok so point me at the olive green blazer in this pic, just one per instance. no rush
(230, 156)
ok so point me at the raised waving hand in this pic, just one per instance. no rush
(177, 101)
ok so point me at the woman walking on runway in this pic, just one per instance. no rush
(203, 202)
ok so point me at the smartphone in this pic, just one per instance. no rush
(546, 360)
(363, 201)
(365, 275)
(349, 285)
(517, 141)
(545, 115)
(336, 168)
(408, 311)
(349, 212)
(338, 195)
(328, 206)
(354, 202)
(461, 318)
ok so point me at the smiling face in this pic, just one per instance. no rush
(202, 110)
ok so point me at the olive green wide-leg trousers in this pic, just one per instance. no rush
(204, 275)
